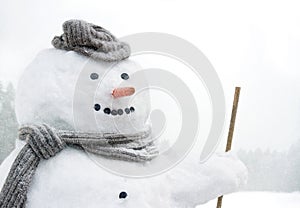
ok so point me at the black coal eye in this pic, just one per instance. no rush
(124, 76)
(94, 76)
(132, 109)
(97, 107)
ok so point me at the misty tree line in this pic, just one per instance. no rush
(272, 170)
(8, 121)
(268, 170)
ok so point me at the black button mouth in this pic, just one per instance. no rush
(120, 112)
(127, 110)
(97, 107)
(106, 110)
(115, 112)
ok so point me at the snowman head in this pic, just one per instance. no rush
(71, 91)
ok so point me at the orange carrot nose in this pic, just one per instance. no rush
(124, 91)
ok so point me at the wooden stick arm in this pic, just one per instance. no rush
(231, 129)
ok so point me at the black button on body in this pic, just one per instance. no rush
(123, 195)
(132, 109)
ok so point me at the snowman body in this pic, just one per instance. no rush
(72, 178)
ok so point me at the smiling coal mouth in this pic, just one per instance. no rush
(120, 111)
(114, 112)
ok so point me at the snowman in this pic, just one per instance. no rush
(100, 84)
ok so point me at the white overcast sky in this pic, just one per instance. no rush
(254, 44)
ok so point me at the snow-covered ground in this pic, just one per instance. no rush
(257, 200)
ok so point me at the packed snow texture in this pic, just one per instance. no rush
(58, 83)
(72, 179)
(257, 200)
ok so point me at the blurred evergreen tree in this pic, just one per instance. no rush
(1, 139)
(8, 121)
(294, 166)
(1, 95)
(271, 170)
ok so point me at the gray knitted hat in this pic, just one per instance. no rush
(91, 40)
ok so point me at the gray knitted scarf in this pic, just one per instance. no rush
(44, 142)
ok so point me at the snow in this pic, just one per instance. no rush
(223, 173)
(72, 179)
(257, 200)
